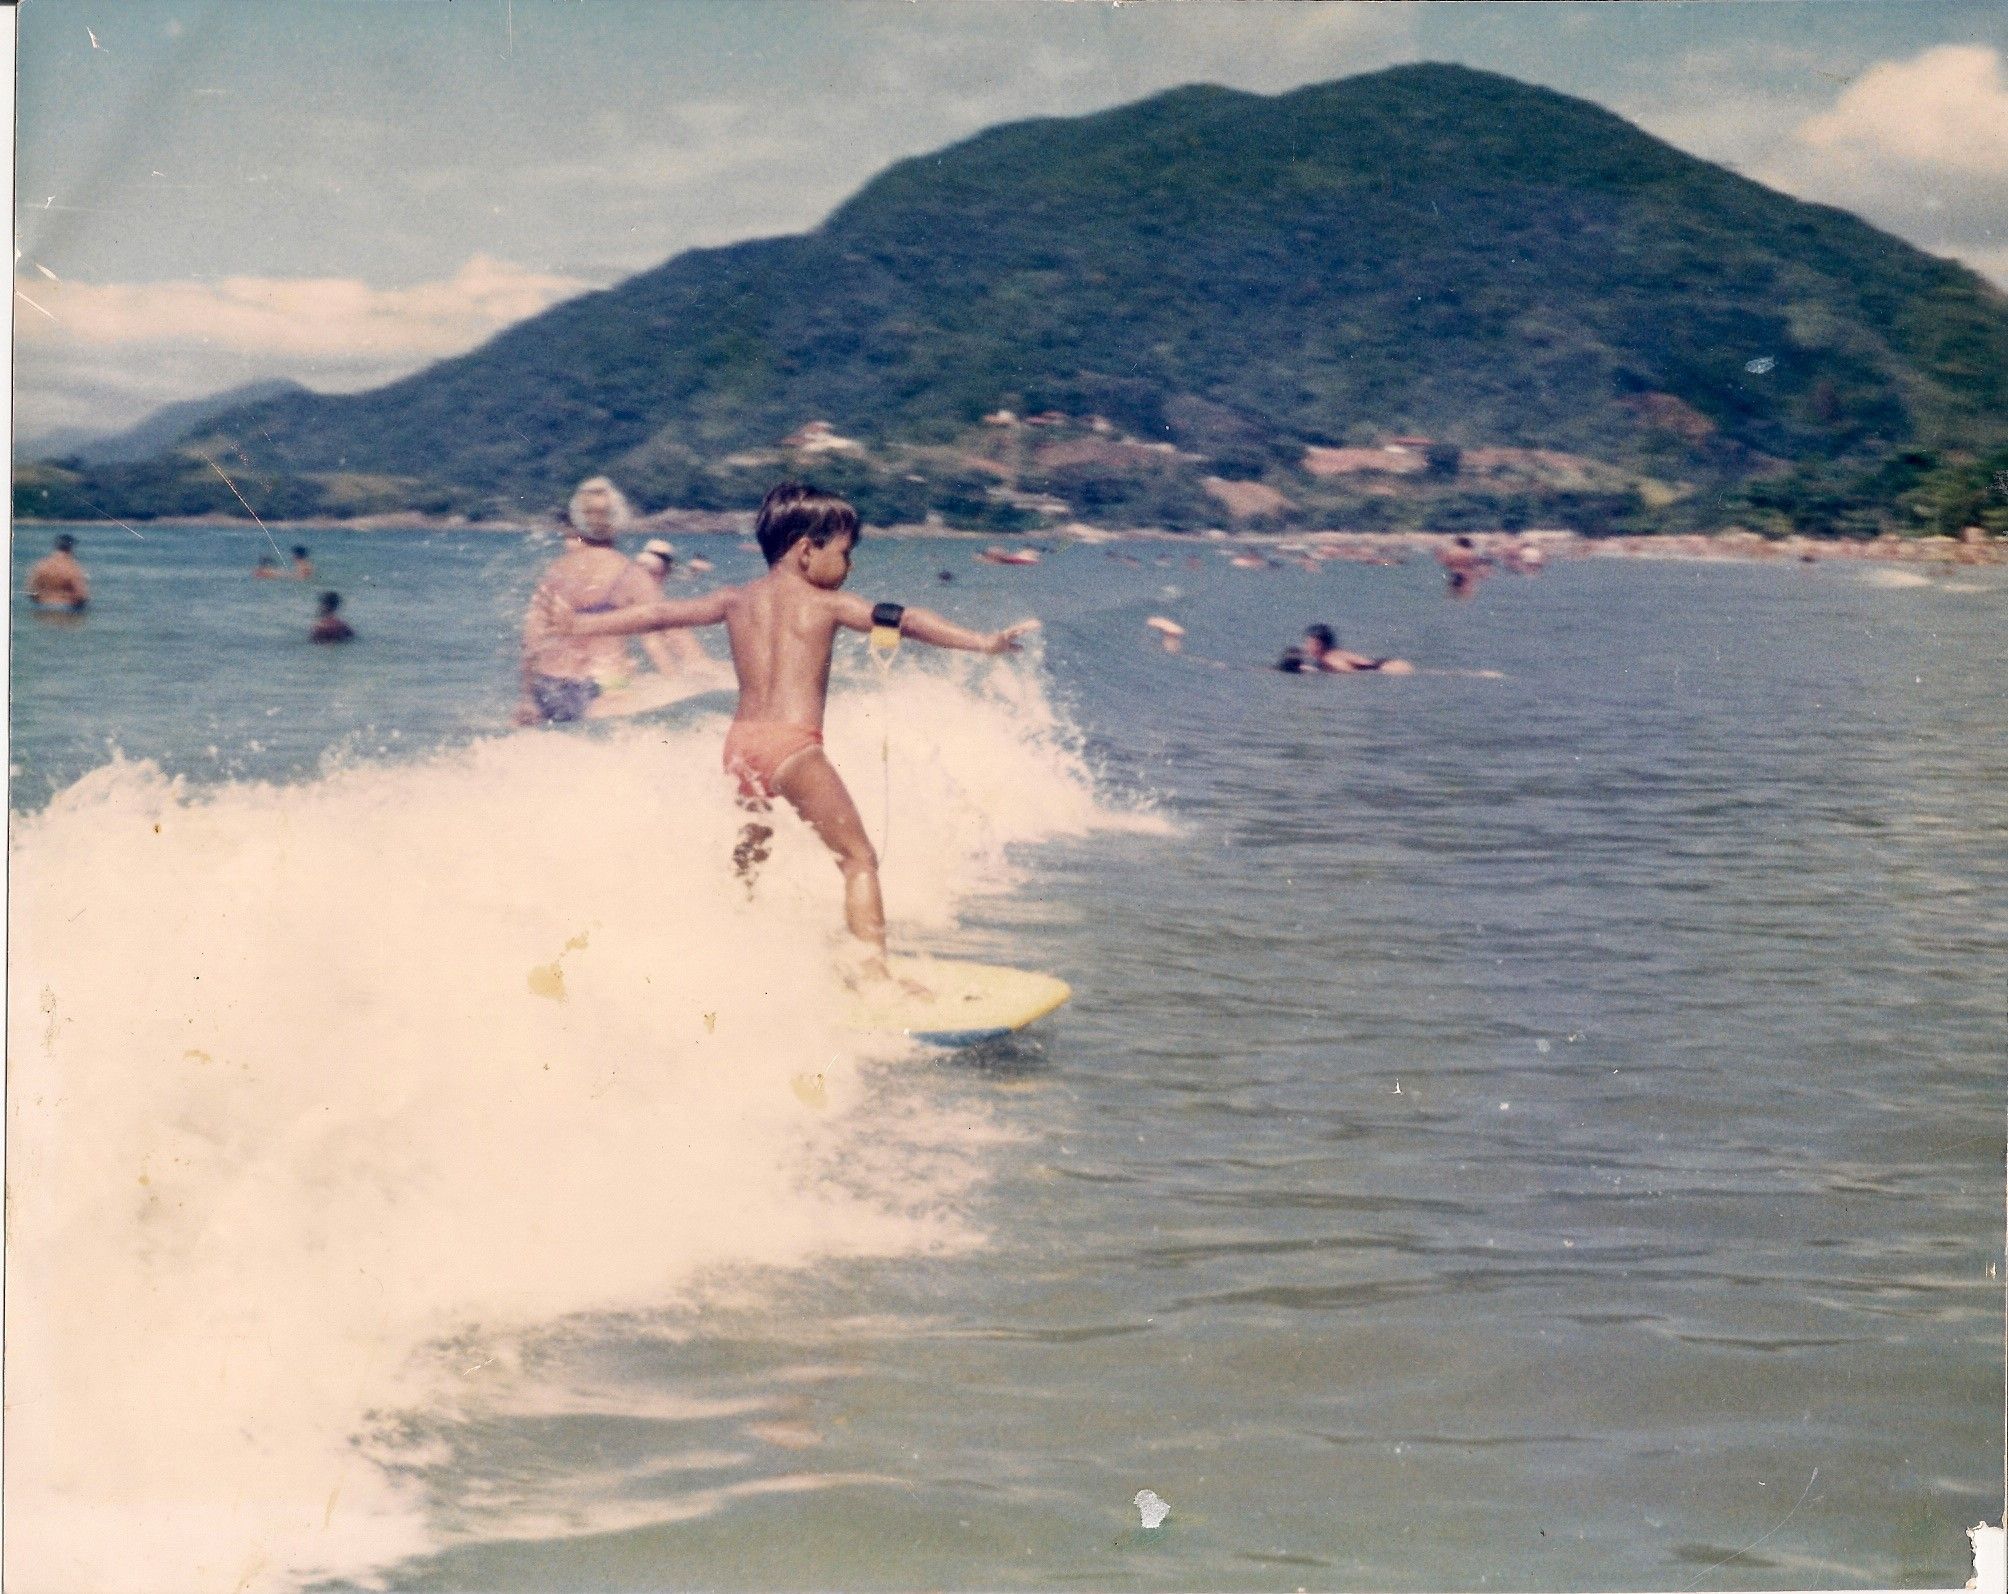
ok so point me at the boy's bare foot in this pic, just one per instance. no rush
(871, 971)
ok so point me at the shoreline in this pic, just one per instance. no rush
(1728, 544)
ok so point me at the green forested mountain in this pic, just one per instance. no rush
(173, 424)
(1427, 252)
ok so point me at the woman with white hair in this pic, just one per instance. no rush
(562, 675)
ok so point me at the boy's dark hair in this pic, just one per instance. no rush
(299, 550)
(1323, 635)
(65, 543)
(792, 512)
(330, 602)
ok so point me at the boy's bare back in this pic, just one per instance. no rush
(783, 632)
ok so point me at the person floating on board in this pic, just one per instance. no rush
(671, 652)
(331, 627)
(57, 580)
(1320, 653)
(303, 567)
(563, 673)
(782, 628)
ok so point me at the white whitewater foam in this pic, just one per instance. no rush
(307, 1079)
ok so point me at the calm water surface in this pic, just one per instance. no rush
(1535, 1132)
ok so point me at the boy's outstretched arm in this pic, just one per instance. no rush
(670, 614)
(924, 625)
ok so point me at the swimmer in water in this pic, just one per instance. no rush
(303, 567)
(331, 627)
(1462, 565)
(563, 672)
(1320, 654)
(782, 628)
(58, 581)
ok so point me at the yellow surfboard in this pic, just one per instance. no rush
(967, 1002)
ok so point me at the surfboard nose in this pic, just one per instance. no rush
(966, 1002)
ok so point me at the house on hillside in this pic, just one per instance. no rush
(820, 437)
(1387, 460)
(1247, 500)
(1038, 503)
(1000, 418)
(1046, 418)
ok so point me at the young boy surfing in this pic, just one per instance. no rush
(782, 629)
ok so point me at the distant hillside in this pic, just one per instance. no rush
(167, 427)
(1429, 253)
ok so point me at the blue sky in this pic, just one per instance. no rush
(340, 191)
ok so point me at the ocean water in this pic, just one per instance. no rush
(1533, 1130)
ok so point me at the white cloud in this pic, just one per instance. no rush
(1917, 145)
(313, 319)
(1945, 111)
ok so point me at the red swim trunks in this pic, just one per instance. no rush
(755, 750)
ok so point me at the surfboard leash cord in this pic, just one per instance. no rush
(884, 643)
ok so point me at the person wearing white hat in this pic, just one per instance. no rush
(562, 675)
(671, 652)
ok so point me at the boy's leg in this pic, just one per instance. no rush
(811, 783)
(754, 835)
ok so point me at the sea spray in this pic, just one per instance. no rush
(311, 1081)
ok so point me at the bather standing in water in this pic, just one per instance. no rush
(1462, 565)
(562, 674)
(671, 652)
(58, 580)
